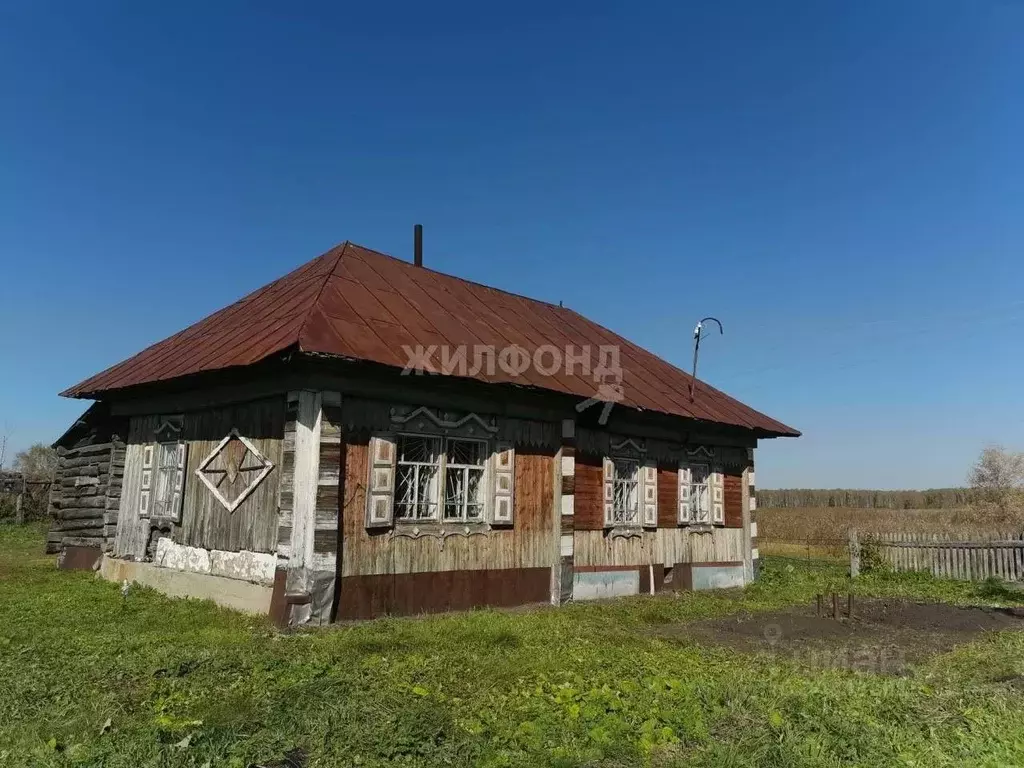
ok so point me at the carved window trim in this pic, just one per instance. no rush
(426, 421)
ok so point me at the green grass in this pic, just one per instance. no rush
(88, 678)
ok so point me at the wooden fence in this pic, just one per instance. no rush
(998, 554)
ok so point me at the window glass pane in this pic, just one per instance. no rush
(405, 492)
(426, 492)
(454, 493)
(463, 493)
(419, 449)
(466, 452)
(416, 477)
(624, 501)
(700, 498)
(474, 494)
(463, 497)
(166, 476)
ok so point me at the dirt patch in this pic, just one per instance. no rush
(883, 637)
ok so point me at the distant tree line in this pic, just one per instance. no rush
(932, 498)
(996, 477)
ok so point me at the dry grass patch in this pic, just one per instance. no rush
(829, 526)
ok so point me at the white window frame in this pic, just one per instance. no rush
(439, 502)
(700, 516)
(162, 486)
(400, 504)
(622, 519)
(465, 469)
(165, 477)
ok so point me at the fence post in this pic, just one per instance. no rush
(19, 512)
(854, 554)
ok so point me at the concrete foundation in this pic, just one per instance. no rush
(699, 576)
(256, 567)
(597, 585)
(231, 593)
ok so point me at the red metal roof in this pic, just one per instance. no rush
(360, 304)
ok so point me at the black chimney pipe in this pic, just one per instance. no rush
(417, 245)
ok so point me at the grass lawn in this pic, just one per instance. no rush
(89, 678)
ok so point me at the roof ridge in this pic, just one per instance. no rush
(460, 279)
(342, 247)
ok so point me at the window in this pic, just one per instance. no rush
(425, 465)
(166, 479)
(625, 507)
(464, 480)
(416, 483)
(163, 471)
(700, 493)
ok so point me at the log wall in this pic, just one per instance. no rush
(86, 491)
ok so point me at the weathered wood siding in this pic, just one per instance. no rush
(588, 489)
(205, 522)
(750, 508)
(733, 490)
(132, 530)
(671, 543)
(328, 506)
(668, 496)
(530, 543)
(665, 545)
(253, 524)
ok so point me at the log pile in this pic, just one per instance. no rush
(86, 494)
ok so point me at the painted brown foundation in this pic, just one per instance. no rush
(405, 594)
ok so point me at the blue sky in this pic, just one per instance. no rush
(840, 183)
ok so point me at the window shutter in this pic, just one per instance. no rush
(179, 483)
(504, 484)
(685, 507)
(609, 492)
(649, 476)
(717, 482)
(379, 499)
(147, 480)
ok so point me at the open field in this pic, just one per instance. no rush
(824, 529)
(88, 678)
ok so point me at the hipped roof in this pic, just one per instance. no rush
(359, 304)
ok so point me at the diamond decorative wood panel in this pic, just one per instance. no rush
(233, 470)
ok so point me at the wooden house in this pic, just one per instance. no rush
(366, 436)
